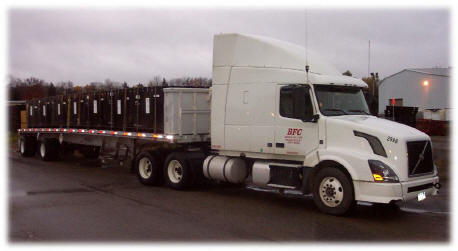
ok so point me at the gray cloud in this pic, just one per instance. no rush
(85, 45)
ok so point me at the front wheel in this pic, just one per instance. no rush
(333, 191)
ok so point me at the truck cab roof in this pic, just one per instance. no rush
(248, 55)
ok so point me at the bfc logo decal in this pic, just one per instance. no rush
(293, 136)
(294, 131)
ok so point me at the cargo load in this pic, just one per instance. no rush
(137, 109)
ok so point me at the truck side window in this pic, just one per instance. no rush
(295, 103)
(286, 102)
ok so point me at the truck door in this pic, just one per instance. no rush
(296, 132)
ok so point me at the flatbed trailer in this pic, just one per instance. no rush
(185, 137)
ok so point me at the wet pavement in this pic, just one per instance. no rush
(76, 200)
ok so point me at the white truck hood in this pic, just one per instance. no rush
(393, 137)
(373, 125)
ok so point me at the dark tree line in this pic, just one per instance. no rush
(30, 88)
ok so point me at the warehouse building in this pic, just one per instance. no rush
(427, 88)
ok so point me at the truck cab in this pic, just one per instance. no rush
(277, 123)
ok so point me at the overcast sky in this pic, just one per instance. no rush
(84, 45)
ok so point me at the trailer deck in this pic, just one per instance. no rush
(193, 138)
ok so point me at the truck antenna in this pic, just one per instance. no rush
(307, 67)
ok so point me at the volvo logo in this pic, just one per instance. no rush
(421, 157)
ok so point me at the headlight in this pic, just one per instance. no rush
(381, 172)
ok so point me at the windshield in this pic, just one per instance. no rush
(340, 100)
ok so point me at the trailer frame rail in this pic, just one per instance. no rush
(169, 138)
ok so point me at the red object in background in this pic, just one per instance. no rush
(433, 127)
(393, 101)
(424, 125)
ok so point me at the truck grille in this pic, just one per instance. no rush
(420, 157)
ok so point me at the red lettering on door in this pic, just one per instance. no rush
(294, 131)
(293, 136)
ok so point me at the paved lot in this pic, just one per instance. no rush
(75, 200)
(441, 155)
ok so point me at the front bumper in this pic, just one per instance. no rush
(387, 192)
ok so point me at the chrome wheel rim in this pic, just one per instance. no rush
(145, 168)
(42, 150)
(22, 146)
(175, 171)
(331, 192)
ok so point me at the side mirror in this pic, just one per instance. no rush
(314, 118)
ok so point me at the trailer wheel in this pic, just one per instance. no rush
(27, 146)
(177, 172)
(48, 149)
(333, 191)
(148, 172)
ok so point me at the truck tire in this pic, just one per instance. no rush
(333, 191)
(27, 146)
(48, 149)
(148, 171)
(177, 172)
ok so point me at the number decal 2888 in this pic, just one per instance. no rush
(391, 139)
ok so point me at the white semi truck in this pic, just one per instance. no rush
(268, 120)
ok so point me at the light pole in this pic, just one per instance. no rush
(393, 102)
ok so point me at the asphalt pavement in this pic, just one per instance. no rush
(76, 200)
